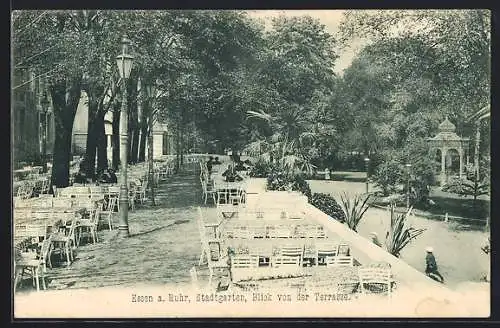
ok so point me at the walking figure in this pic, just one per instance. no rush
(431, 267)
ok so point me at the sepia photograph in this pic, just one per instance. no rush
(250, 163)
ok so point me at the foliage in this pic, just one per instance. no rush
(399, 235)
(327, 204)
(387, 176)
(354, 208)
(471, 186)
(277, 180)
(261, 169)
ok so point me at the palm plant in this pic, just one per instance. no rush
(286, 146)
(400, 235)
(354, 208)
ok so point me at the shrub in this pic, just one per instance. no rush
(399, 235)
(277, 180)
(387, 176)
(261, 169)
(328, 205)
(354, 208)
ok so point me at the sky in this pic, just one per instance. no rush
(330, 18)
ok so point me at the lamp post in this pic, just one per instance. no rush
(367, 162)
(44, 108)
(408, 167)
(124, 62)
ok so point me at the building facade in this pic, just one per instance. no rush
(27, 123)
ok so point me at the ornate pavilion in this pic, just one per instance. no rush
(447, 143)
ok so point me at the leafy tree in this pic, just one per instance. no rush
(387, 176)
(62, 37)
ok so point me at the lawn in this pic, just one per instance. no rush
(458, 252)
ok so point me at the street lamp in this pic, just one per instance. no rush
(124, 62)
(408, 167)
(44, 108)
(367, 162)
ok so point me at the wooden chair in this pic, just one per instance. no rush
(87, 228)
(375, 280)
(63, 242)
(289, 255)
(339, 260)
(33, 264)
(114, 192)
(325, 250)
(209, 190)
(140, 193)
(213, 265)
(243, 265)
(279, 231)
(286, 261)
(109, 210)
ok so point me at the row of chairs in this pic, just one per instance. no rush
(270, 230)
(29, 188)
(47, 238)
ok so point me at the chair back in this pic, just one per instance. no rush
(285, 261)
(279, 231)
(291, 250)
(37, 232)
(339, 260)
(375, 276)
(243, 261)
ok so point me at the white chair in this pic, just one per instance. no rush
(88, 227)
(243, 266)
(63, 242)
(209, 190)
(289, 256)
(339, 260)
(375, 280)
(279, 231)
(325, 250)
(109, 210)
(213, 265)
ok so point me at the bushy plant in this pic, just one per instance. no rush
(261, 169)
(328, 205)
(399, 235)
(354, 208)
(278, 180)
(387, 176)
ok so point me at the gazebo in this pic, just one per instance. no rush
(446, 142)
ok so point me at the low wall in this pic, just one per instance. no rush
(408, 279)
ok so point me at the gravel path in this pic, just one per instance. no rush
(163, 244)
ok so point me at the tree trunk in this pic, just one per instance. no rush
(177, 150)
(476, 149)
(142, 143)
(65, 103)
(182, 146)
(132, 119)
(102, 154)
(115, 138)
(90, 151)
(134, 143)
(150, 161)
